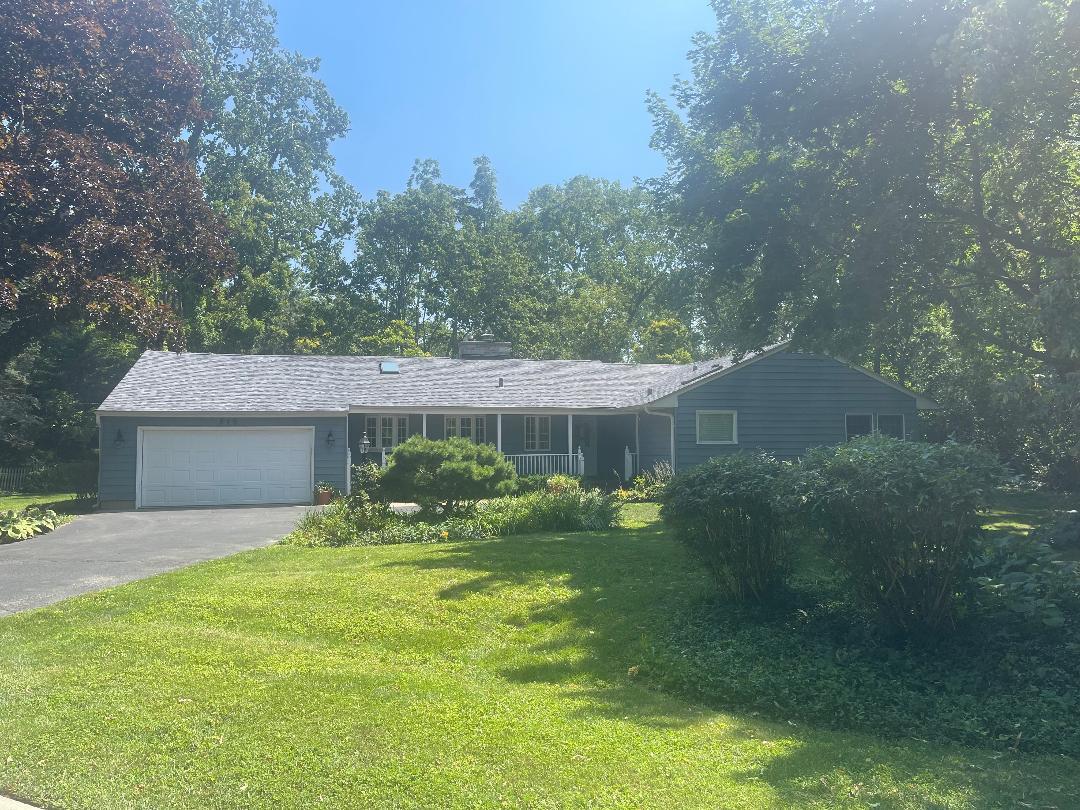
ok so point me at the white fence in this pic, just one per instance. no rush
(13, 478)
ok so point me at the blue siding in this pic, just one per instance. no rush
(654, 433)
(116, 470)
(786, 403)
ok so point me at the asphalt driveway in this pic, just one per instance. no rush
(108, 548)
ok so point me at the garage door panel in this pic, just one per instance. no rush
(201, 467)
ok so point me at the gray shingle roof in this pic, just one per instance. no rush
(229, 383)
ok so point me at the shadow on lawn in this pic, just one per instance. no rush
(587, 634)
(622, 591)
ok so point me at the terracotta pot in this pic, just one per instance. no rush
(322, 498)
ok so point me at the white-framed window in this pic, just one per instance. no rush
(717, 427)
(466, 427)
(386, 430)
(891, 424)
(886, 424)
(537, 432)
(858, 424)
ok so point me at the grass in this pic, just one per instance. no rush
(1022, 511)
(64, 503)
(478, 674)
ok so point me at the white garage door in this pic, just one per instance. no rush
(228, 466)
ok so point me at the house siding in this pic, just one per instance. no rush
(116, 470)
(654, 432)
(786, 403)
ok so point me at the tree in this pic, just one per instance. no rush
(263, 150)
(443, 476)
(607, 260)
(101, 213)
(847, 160)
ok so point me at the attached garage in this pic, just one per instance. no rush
(188, 466)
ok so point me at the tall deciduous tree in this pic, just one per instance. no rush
(101, 213)
(263, 150)
(844, 159)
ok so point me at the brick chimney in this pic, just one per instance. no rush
(484, 348)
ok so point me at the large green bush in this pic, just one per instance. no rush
(901, 521)
(730, 512)
(445, 475)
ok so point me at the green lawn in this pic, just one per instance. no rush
(1022, 511)
(481, 674)
(63, 502)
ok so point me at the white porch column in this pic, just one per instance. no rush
(570, 434)
(423, 425)
(498, 432)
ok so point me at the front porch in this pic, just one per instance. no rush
(611, 446)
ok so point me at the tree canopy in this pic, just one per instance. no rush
(861, 172)
(102, 215)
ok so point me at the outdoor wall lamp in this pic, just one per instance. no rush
(330, 438)
(365, 444)
(119, 440)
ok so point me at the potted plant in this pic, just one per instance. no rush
(324, 493)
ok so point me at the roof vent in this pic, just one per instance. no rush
(389, 367)
(500, 382)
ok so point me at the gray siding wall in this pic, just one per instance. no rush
(786, 403)
(116, 470)
(654, 432)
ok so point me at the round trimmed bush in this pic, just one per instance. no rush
(901, 519)
(446, 475)
(729, 511)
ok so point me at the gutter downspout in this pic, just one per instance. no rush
(671, 419)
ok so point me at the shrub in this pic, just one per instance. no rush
(1025, 577)
(341, 523)
(22, 525)
(444, 475)
(650, 484)
(344, 523)
(531, 483)
(1063, 534)
(80, 477)
(728, 511)
(569, 510)
(901, 521)
(560, 484)
(364, 483)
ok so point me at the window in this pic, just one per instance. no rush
(385, 430)
(537, 432)
(717, 427)
(858, 424)
(891, 424)
(467, 427)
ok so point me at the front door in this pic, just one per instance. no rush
(585, 438)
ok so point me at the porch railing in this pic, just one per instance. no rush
(524, 463)
(548, 463)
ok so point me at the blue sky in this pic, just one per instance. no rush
(547, 89)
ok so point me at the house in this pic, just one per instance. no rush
(186, 429)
